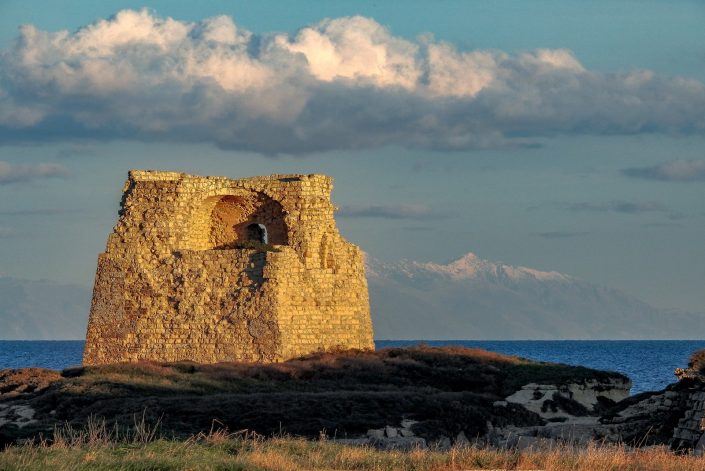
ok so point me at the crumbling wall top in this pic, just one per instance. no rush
(165, 212)
(158, 175)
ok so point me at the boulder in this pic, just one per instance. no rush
(461, 439)
(398, 443)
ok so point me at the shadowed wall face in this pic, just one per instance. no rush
(176, 283)
(224, 221)
(237, 219)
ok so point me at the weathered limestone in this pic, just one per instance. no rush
(19, 415)
(689, 431)
(173, 285)
(390, 438)
(540, 398)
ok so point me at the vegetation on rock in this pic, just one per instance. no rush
(255, 245)
(339, 394)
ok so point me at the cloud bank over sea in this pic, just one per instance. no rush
(342, 83)
(10, 173)
(679, 170)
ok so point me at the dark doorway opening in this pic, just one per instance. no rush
(257, 233)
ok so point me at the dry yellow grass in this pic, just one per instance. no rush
(98, 449)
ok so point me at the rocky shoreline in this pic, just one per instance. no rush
(391, 399)
(673, 417)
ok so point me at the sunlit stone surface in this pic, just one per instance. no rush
(175, 282)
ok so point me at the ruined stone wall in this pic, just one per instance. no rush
(688, 433)
(172, 284)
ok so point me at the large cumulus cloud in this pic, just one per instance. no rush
(341, 83)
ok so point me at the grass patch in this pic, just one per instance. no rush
(346, 393)
(222, 451)
(255, 245)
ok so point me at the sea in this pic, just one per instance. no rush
(649, 363)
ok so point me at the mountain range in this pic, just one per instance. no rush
(472, 298)
(469, 298)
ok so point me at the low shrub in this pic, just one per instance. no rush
(255, 245)
(697, 362)
(346, 393)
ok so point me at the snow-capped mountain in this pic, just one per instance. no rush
(469, 267)
(472, 298)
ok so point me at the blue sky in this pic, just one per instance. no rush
(581, 181)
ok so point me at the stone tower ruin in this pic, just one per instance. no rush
(213, 269)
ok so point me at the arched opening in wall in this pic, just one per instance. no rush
(227, 221)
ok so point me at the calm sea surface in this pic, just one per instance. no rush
(649, 363)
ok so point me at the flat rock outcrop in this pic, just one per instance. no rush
(568, 400)
(673, 417)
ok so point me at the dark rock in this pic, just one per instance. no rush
(399, 443)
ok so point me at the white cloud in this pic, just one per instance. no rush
(561, 234)
(10, 173)
(341, 83)
(675, 170)
(356, 48)
(401, 211)
(624, 207)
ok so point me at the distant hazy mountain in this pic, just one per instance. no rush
(469, 298)
(42, 310)
(472, 298)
